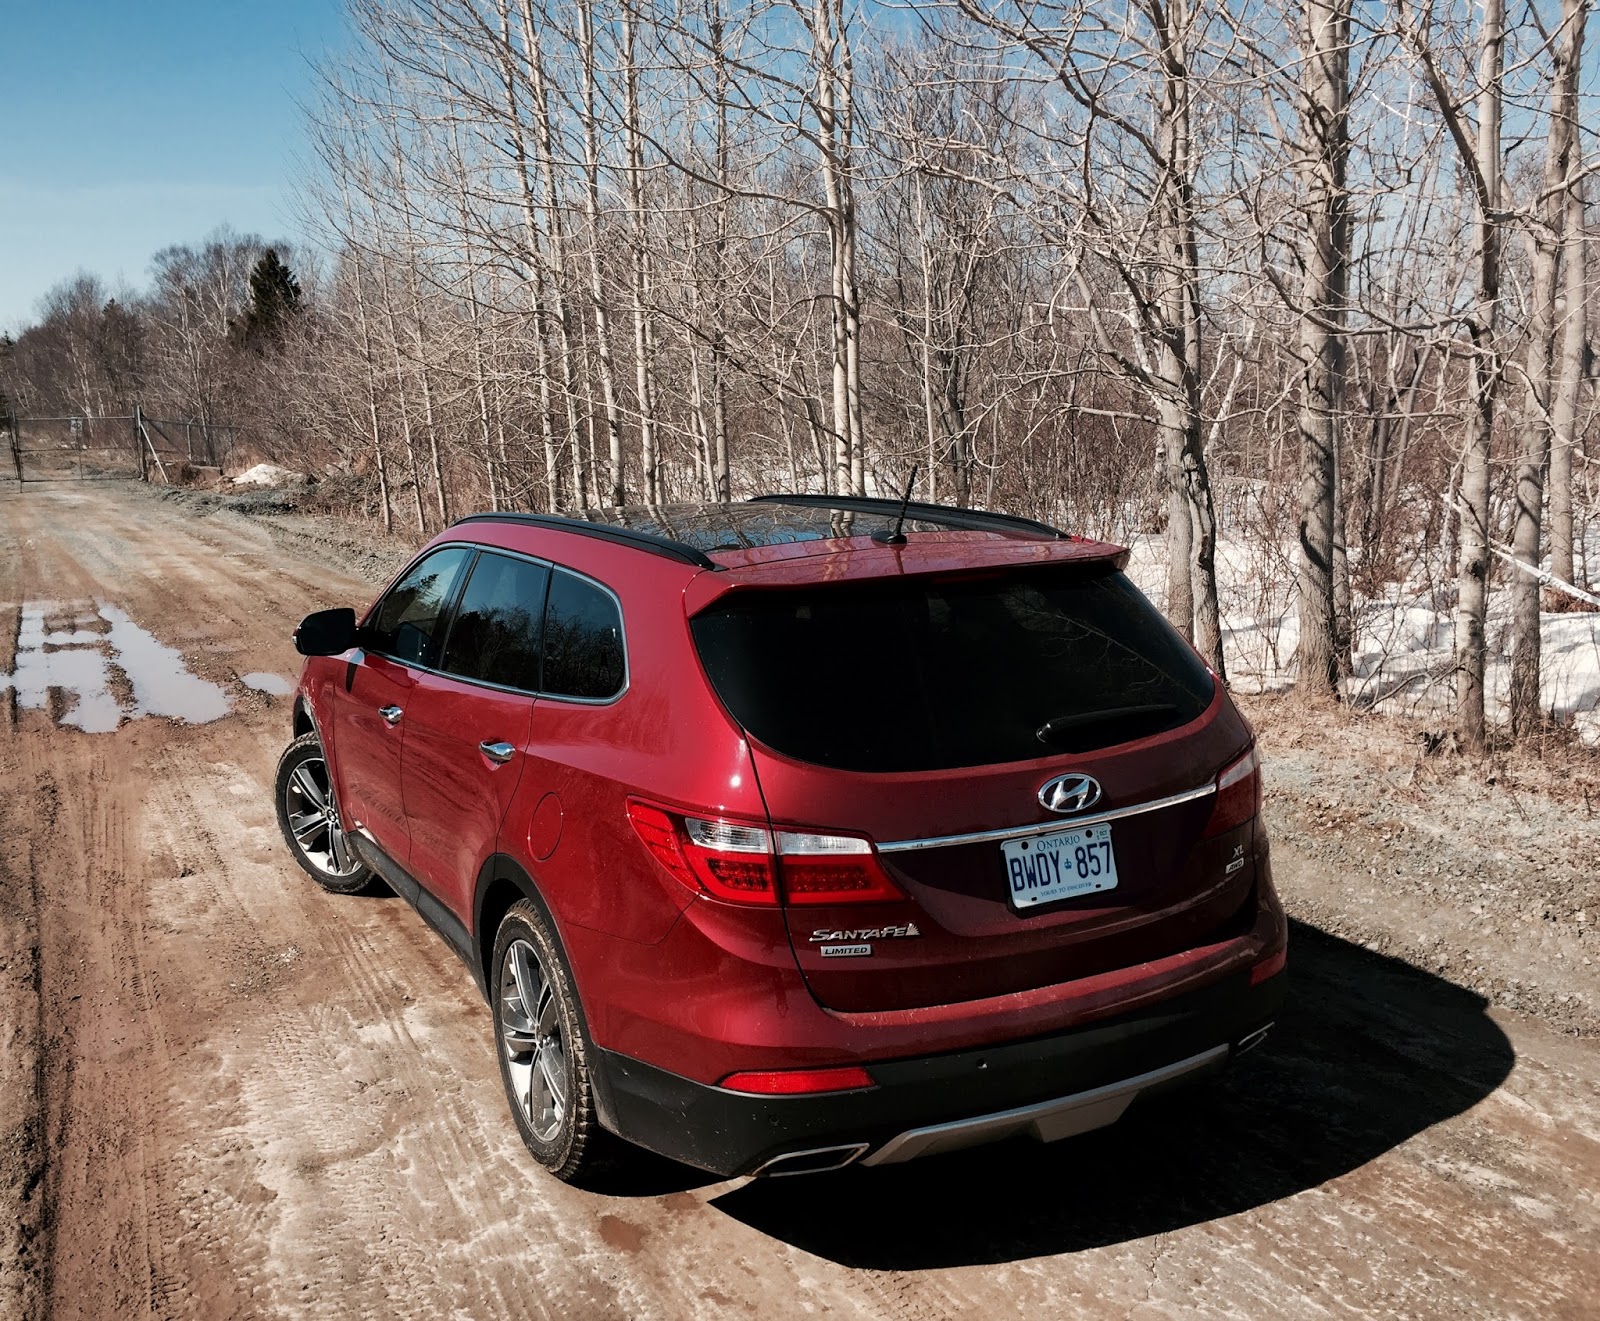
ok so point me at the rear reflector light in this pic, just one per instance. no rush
(798, 1082)
(1238, 795)
(1270, 966)
(744, 863)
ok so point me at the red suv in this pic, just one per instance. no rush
(798, 832)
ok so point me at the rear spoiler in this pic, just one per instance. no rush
(800, 564)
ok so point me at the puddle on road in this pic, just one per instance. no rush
(83, 649)
(274, 684)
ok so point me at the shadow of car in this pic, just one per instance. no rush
(1368, 1052)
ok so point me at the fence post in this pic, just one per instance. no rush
(138, 442)
(16, 443)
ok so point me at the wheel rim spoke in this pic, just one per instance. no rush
(337, 847)
(515, 1027)
(307, 827)
(553, 1067)
(309, 789)
(527, 978)
(549, 1012)
(551, 1093)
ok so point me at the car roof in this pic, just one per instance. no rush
(781, 527)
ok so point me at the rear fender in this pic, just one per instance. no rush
(502, 881)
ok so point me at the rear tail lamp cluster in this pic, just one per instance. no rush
(1238, 795)
(749, 864)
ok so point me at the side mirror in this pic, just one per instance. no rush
(326, 633)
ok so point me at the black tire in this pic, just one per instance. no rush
(545, 1050)
(311, 827)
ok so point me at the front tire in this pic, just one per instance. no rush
(543, 1047)
(308, 815)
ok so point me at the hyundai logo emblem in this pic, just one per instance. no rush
(1069, 793)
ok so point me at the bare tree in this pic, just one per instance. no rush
(1574, 322)
(1324, 152)
(1478, 148)
(1546, 224)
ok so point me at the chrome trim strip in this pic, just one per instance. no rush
(1046, 827)
(1049, 1121)
(848, 1152)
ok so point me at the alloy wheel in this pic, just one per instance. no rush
(532, 1036)
(313, 818)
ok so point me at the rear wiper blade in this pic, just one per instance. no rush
(1056, 726)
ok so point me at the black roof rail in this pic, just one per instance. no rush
(952, 516)
(622, 536)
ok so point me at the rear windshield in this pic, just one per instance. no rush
(928, 674)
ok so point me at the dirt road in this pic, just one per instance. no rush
(224, 1093)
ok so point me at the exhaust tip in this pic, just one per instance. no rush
(1252, 1040)
(814, 1160)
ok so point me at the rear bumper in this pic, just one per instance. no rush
(1048, 1087)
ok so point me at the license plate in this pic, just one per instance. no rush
(1042, 869)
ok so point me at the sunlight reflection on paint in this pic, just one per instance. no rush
(79, 659)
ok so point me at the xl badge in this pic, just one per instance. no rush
(1069, 793)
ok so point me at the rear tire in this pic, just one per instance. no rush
(543, 1047)
(308, 815)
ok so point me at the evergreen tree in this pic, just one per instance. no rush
(274, 302)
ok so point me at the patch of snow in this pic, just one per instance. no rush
(1404, 644)
(269, 474)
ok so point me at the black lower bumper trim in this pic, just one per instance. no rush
(731, 1134)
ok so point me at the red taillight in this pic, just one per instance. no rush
(798, 1082)
(832, 869)
(1270, 966)
(1238, 795)
(660, 836)
(743, 863)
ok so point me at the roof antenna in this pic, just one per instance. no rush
(897, 537)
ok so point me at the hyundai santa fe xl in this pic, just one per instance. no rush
(798, 832)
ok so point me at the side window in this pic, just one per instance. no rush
(408, 621)
(495, 637)
(582, 640)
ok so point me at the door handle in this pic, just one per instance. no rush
(499, 752)
(391, 714)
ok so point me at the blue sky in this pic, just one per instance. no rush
(126, 127)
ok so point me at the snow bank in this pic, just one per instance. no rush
(269, 474)
(1404, 644)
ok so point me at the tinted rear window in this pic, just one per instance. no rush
(928, 674)
(582, 640)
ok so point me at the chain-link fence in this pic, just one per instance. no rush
(54, 449)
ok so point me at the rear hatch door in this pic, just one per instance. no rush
(926, 712)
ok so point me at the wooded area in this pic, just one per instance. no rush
(1319, 277)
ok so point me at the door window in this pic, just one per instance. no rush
(408, 624)
(495, 637)
(583, 654)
